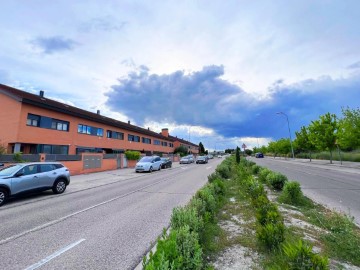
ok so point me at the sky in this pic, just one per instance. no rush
(211, 71)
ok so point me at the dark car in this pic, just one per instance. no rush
(202, 159)
(259, 155)
(166, 163)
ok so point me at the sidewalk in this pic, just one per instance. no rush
(346, 166)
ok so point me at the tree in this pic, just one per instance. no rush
(349, 129)
(201, 148)
(182, 150)
(322, 133)
(248, 152)
(303, 141)
(237, 154)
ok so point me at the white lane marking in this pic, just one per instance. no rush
(54, 255)
(208, 168)
(184, 168)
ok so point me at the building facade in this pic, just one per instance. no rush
(34, 124)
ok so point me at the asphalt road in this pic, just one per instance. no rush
(332, 185)
(106, 220)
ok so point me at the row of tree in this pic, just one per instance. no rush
(325, 134)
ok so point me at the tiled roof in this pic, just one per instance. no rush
(50, 104)
(182, 141)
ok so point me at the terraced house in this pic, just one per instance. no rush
(34, 124)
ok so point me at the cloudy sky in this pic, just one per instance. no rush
(211, 71)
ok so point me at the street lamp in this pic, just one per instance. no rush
(287, 118)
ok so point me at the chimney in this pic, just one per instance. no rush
(41, 94)
(98, 112)
(165, 132)
(129, 122)
(148, 128)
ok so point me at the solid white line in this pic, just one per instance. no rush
(54, 255)
(208, 168)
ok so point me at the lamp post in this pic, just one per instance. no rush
(287, 119)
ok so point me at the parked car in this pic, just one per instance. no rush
(30, 177)
(185, 160)
(148, 164)
(191, 158)
(202, 159)
(259, 155)
(1, 165)
(210, 156)
(166, 163)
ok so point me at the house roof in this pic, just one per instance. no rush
(50, 104)
(182, 141)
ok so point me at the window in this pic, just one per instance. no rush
(53, 149)
(33, 120)
(94, 131)
(146, 140)
(100, 132)
(60, 125)
(164, 143)
(114, 135)
(47, 122)
(46, 167)
(30, 169)
(156, 142)
(133, 138)
(171, 145)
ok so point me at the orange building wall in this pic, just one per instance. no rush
(9, 115)
(29, 134)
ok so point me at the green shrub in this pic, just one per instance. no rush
(255, 169)
(292, 194)
(254, 188)
(206, 194)
(260, 201)
(17, 157)
(179, 250)
(219, 188)
(263, 174)
(271, 235)
(268, 213)
(132, 155)
(276, 180)
(300, 256)
(213, 177)
(182, 216)
(223, 170)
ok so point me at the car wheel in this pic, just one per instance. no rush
(159, 168)
(3, 196)
(150, 170)
(59, 186)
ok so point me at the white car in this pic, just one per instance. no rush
(148, 164)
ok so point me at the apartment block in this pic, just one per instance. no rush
(34, 124)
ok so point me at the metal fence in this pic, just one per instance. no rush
(27, 158)
(110, 156)
(58, 157)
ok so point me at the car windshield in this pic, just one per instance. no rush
(9, 170)
(201, 157)
(164, 159)
(146, 159)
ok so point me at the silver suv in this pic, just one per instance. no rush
(38, 176)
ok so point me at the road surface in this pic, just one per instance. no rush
(105, 220)
(332, 185)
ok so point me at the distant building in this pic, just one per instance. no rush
(34, 124)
